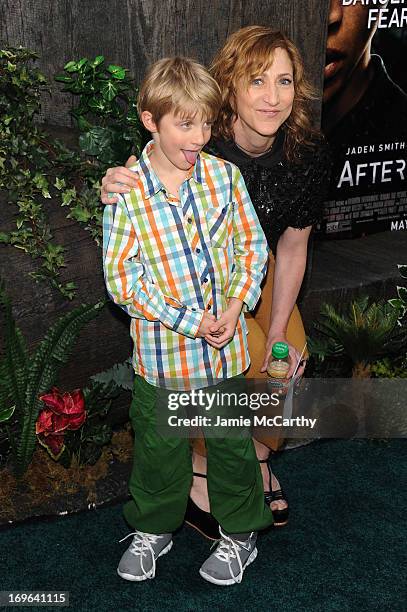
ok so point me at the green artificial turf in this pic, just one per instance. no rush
(343, 549)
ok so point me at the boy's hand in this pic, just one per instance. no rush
(118, 180)
(224, 329)
(207, 322)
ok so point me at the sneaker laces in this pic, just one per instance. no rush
(229, 549)
(141, 543)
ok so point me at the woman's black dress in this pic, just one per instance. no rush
(284, 193)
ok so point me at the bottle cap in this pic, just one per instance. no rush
(280, 350)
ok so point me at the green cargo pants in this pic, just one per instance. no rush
(161, 475)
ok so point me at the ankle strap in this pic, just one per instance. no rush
(200, 475)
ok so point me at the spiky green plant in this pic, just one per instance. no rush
(24, 377)
(400, 303)
(364, 333)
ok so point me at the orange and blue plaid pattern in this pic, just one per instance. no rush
(169, 259)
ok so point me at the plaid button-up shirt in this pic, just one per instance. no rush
(169, 259)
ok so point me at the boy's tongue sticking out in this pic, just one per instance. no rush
(190, 156)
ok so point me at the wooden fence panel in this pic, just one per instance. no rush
(134, 33)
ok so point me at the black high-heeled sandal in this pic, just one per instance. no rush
(280, 516)
(202, 521)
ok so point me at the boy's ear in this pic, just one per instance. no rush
(148, 121)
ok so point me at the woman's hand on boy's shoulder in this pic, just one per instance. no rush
(118, 180)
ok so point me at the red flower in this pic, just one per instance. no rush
(63, 411)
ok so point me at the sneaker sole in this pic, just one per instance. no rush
(229, 581)
(133, 578)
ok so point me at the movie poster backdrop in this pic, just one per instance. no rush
(365, 117)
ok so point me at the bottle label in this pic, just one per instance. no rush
(278, 385)
(278, 369)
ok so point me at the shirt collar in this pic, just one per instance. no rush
(151, 182)
(229, 150)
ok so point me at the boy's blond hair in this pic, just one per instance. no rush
(179, 85)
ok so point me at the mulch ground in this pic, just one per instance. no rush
(47, 488)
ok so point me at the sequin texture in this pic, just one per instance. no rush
(284, 193)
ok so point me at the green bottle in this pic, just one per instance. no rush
(278, 367)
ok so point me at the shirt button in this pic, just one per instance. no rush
(194, 309)
(205, 280)
(189, 220)
(209, 306)
(198, 250)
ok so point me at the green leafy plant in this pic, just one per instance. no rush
(25, 165)
(106, 112)
(120, 375)
(327, 358)
(400, 303)
(24, 377)
(21, 87)
(363, 334)
(390, 368)
(35, 167)
(395, 367)
(110, 130)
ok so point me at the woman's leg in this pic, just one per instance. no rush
(199, 489)
(262, 315)
(258, 325)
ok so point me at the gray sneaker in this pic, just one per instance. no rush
(138, 562)
(233, 554)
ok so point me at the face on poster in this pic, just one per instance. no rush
(365, 118)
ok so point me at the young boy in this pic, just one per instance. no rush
(183, 253)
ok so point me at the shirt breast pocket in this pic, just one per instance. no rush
(219, 221)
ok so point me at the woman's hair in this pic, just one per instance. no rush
(246, 54)
(181, 85)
